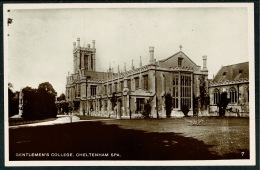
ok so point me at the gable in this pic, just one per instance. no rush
(172, 61)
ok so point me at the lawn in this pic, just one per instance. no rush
(151, 139)
(22, 121)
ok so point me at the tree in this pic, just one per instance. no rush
(30, 110)
(39, 103)
(223, 102)
(13, 101)
(204, 97)
(46, 87)
(61, 97)
(168, 104)
(46, 99)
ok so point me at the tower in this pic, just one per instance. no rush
(84, 58)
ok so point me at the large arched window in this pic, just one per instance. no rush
(216, 96)
(233, 95)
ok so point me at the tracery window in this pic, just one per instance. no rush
(186, 90)
(216, 96)
(233, 95)
(145, 82)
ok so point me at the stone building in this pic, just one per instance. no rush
(124, 94)
(233, 79)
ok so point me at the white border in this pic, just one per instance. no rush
(251, 53)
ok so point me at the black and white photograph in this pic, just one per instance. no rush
(160, 84)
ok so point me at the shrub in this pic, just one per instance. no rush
(185, 110)
(147, 110)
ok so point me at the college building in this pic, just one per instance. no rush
(123, 94)
(234, 80)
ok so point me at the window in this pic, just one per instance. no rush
(186, 90)
(216, 96)
(78, 89)
(110, 88)
(175, 81)
(121, 85)
(233, 95)
(139, 104)
(86, 62)
(105, 89)
(248, 94)
(115, 87)
(136, 82)
(146, 82)
(93, 90)
(180, 61)
(105, 105)
(129, 84)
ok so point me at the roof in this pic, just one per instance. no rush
(232, 73)
(92, 75)
(172, 61)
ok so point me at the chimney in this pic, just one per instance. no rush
(74, 45)
(133, 65)
(204, 62)
(93, 43)
(151, 50)
(78, 41)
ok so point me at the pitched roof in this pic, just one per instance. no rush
(232, 73)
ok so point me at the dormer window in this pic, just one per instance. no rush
(180, 61)
(224, 73)
(240, 70)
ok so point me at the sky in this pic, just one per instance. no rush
(40, 41)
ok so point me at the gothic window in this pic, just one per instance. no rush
(233, 95)
(105, 89)
(216, 96)
(78, 89)
(136, 82)
(129, 84)
(93, 90)
(110, 88)
(145, 82)
(86, 62)
(175, 90)
(186, 90)
(105, 105)
(115, 87)
(121, 85)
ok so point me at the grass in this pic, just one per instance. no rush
(22, 121)
(151, 139)
(91, 117)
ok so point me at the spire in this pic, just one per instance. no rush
(109, 66)
(140, 61)
(133, 64)
(125, 67)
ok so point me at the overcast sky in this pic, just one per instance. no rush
(41, 40)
